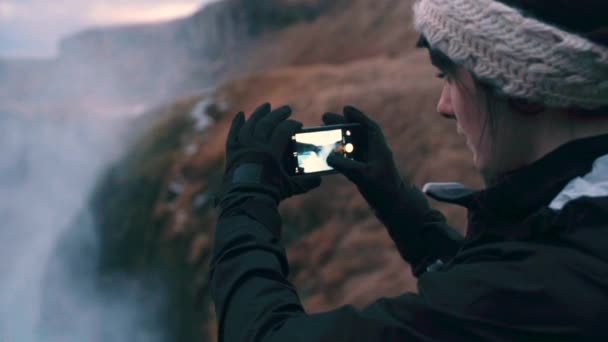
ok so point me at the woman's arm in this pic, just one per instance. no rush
(420, 232)
(254, 301)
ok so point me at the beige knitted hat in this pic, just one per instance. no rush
(520, 56)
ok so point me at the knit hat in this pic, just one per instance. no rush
(520, 56)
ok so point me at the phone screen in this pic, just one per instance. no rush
(311, 149)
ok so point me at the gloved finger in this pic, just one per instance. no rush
(266, 125)
(281, 136)
(303, 184)
(352, 114)
(345, 165)
(237, 124)
(256, 116)
(334, 119)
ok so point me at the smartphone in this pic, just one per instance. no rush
(309, 148)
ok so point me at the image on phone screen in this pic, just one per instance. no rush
(312, 146)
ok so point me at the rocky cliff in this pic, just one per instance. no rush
(129, 66)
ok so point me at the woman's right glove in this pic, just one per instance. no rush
(420, 232)
(377, 179)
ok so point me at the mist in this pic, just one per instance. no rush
(63, 121)
(48, 255)
(32, 28)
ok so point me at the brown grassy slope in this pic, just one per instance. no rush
(352, 30)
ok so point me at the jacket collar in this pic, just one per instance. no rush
(521, 192)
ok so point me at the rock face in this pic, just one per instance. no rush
(153, 207)
(213, 28)
(126, 66)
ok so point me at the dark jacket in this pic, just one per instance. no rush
(523, 272)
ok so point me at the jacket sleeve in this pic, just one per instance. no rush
(421, 233)
(254, 301)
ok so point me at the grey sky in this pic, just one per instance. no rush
(32, 28)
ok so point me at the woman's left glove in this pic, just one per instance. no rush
(254, 158)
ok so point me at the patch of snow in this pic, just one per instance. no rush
(201, 200)
(191, 149)
(199, 114)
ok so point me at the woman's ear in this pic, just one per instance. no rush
(526, 107)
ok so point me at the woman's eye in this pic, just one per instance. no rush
(441, 75)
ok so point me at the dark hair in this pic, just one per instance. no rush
(587, 18)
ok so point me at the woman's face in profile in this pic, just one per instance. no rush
(494, 152)
(459, 101)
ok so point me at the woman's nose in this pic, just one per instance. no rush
(444, 107)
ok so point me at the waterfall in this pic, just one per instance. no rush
(48, 168)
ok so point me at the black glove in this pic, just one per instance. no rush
(254, 159)
(378, 178)
(420, 232)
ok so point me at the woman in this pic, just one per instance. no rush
(527, 83)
